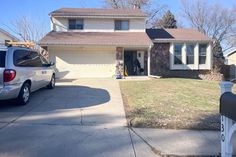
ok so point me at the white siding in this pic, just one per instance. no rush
(137, 25)
(98, 25)
(4, 37)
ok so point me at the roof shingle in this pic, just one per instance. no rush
(97, 38)
(180, 34)
(98, 12)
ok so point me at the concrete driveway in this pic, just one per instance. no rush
(78, 118)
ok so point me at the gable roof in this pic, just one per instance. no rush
(98, 12)
(8, 34)
(232, 51)
(180, 34)
(97, 39)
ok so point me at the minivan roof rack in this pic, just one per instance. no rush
(26, 44)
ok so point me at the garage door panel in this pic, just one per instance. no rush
(76, 65)
(81, 58)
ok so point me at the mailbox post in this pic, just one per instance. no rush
(227, 125)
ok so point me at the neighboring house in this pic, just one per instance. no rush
(230, 59)
(107, 42)
(97, 42)
(4, 35)
(180, 53)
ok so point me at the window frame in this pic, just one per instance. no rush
(188, 55)
(202, 55)
(180, 57)
(76, 24)
(121, 28)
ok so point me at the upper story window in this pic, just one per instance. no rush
(202, 53)
(190, 53)
(121, 24)
(76, 24)
(178, 54)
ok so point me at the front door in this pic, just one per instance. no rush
(130, 60)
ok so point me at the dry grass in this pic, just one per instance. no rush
(172, 103)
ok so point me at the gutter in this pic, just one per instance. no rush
(174, 40)
(98, 16)
(65, 44)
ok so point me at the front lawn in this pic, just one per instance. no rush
(172, 103)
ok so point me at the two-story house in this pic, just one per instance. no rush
(87, 42)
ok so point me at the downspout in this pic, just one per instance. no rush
(149, 60)
(54, 24)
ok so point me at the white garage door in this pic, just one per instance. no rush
(72, 64)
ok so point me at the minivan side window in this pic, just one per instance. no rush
(2, 59)
(24, 58)
(21, 58)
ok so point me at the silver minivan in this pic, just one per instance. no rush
(22, 71)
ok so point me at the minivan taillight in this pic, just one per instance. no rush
(9, 75)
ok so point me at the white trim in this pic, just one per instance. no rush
(184, 55)
(149, 60)
(88, 45)
(175, 40)
(196, 65)
(101, 16)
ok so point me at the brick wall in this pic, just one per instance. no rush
(119, 61)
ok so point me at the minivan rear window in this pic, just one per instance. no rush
(2, 59)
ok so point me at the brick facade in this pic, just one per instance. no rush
(119, 62)
(145, 63)
(160, 65)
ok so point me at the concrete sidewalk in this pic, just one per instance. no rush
(165, 142)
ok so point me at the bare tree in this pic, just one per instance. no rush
(126, 3)
(28, 29)
(138, 3)
(215, 21)
(116, 4)
(153, 10)
(211, 19)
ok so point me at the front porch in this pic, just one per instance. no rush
(132, 62)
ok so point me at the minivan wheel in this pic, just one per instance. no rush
(24, 95)
(52, 83)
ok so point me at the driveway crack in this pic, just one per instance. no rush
(81, 116)
(153, 149)
(132, 143)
